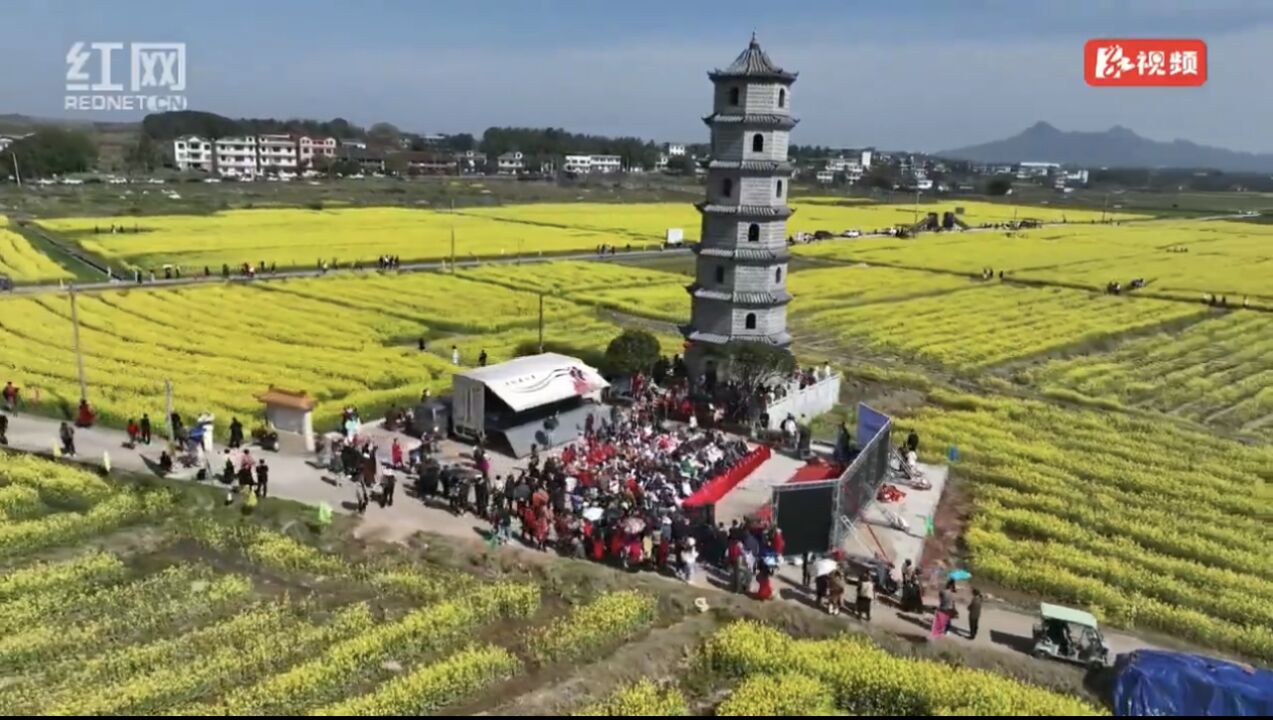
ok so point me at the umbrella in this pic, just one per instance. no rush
(593, 514)
(823, 567)
(959, 575)
(632, 526)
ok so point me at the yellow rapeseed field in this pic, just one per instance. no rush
(346, 340)
(302, 237)
(21, 262)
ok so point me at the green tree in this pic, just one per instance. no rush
(681, 165)
(144, 156)
(881, 176)
(384, 135)
(50, 151)
(631, 352)
(753, 364)
(999, 185)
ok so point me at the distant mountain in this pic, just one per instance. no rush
(1116, 147)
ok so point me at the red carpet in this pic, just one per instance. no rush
(718, 487)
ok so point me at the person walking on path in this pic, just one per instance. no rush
(133, 431)
(974, 614)
(4, 429)
(689, 558)
(455, 355)
(11, 396)
(361, 497)
(395, 453)
(67, 433)
(262, 479)
(227, 470)
(236, 433)
(389, 484)
(835, 592)
(945, 611)
(145, 428)
(866, 594)
(764, 575)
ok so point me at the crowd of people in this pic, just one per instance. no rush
(617, 494)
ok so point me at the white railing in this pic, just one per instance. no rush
(807, 402)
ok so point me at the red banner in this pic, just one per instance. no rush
(1145, 63)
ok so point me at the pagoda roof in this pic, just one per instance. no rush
(752, 165)
(753, 63)
(785, 122)
(781, 297)
(782, 339)
(295, 399)
(765, 211)
(744, 254)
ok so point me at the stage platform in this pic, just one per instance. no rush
(755, 491)
(570, 427)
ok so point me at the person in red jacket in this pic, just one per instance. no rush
(85, 416)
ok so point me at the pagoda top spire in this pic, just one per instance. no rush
(753, 63)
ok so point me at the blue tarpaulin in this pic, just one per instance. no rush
(870, 422)
(1150, 682)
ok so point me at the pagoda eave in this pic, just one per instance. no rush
(781, 339)
(747, 211)
(744, 256)
(781, 76)
(767, 121)
(754, 166)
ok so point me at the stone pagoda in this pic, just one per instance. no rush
(740, 287)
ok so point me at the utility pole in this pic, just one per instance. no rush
(75, 335)
(916, 207)
(541, 322)
(452, 236)
(172, 431)
(17, 174)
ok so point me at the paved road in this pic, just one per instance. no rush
(430, 266)
(1004, 629)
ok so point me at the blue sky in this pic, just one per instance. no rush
(920, 75)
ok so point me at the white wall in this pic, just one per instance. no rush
(814, 400)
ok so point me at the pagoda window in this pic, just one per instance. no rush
(750, 322)
(734, 96)
(727, 187)
(758, 143)
(720, 275)
(778, 275)
(782, 97)
(753, 233)
(779, 188)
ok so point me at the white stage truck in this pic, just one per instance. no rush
(542, 400)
